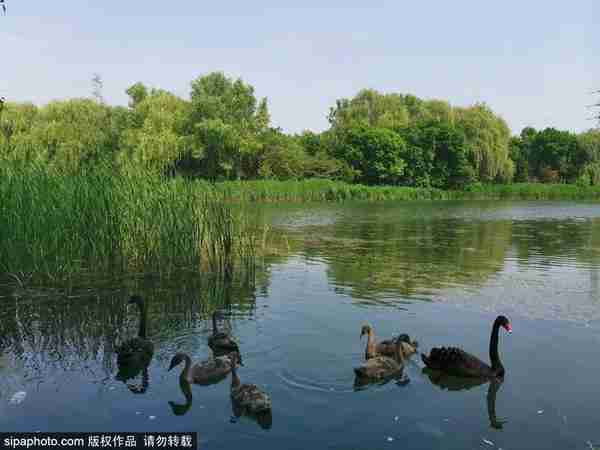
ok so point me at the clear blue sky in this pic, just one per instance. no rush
(534, 62)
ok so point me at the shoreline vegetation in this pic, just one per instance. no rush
(318, 190)
(166, 184)
(56, 228)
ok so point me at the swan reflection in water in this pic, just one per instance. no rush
(134, 355)
(360, 384)
(127, 373)
(453, 383)
(186, 389)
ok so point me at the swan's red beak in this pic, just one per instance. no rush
(508, 327)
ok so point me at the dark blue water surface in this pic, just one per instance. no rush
(440, 272)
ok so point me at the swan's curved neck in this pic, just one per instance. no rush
(399, 352)
(186, 390)
(143, 312)
(214, 322)
(185, 373)
(371, 349)
(494, 357)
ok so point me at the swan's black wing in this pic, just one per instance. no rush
(456, 361)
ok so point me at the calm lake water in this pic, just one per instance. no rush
(439, 271)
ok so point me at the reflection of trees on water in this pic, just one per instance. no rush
(418, 249)
(67, 332)
(406, 251)
(414, 257)
(545, 240)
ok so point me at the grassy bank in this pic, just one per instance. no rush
(54, 227)
(317, 190)
(533, 191)
(327, 190)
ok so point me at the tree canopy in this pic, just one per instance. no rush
(224, 131)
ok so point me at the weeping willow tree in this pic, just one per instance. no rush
(487, 135)
(47, 134)
(155, 138)
(394, 111)
(488, 138)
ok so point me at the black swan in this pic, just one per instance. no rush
(135, 354)
(456, 361)
(250, 401)
(221, 342)
(207, 372)
(381, 367)
(387, 347)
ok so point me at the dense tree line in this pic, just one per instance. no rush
(223, 131)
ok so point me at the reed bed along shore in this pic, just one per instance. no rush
(56, 226)
(533, 191)
(318, 190)
(315, 190)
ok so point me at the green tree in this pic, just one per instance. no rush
(16, 122)
(155, 135)
(588, 144)
(488, 138)
(283, 157)
(369, 108)
(227, 122)
(436, 156)
(374, 153)
(137, 93)
(519, 156)
(68, 135)
(557, 151)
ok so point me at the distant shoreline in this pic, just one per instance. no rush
(314, 190)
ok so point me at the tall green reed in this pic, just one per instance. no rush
(312, 190)
(54, 226)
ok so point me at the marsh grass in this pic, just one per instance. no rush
(314, 190)
(55, 226)
(533, 191)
